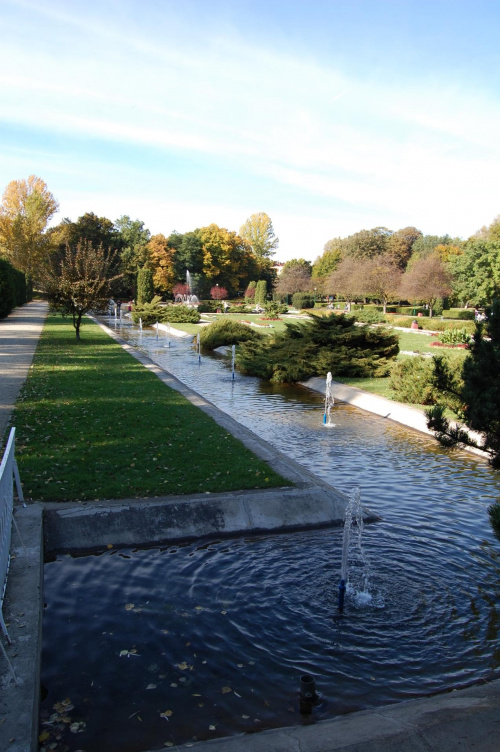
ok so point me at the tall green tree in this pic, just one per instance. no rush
(27, 206)
(260, 297)
(134, 254)
(476, 272)
(145, 286)
(258, 232)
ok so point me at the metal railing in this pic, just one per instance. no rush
(8, 474)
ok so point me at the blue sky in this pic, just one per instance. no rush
(331, 116)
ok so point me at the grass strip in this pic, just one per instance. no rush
(93, 423)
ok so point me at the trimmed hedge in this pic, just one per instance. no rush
(302, 300)
(15, 288)
(464, 314)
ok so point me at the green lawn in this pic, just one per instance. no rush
(93, 423)
(263, 325)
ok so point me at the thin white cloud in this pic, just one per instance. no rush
(366, 154)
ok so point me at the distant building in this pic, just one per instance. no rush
(278, 265)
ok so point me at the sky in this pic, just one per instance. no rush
(331, 116)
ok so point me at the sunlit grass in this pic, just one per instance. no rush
(93, 423)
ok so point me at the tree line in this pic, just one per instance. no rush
(378, 264)
(405, 265)
(214, 255)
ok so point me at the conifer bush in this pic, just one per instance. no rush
(226, 332)
(412, 381)
(312, 348)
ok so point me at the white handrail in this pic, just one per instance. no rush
(8, 472)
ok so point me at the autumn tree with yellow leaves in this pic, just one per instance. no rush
(27, 206)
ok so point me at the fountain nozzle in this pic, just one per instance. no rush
(341, 595)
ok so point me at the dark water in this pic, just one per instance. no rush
(219, 634)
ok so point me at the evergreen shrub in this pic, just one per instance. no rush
(260, 297)
(333, 343)
(302, 300)
(208, 306)
(494, 515)
(179, 314)
(369, 316)
(274, 309)
(149, 313)
(412, 380)
(145, 286)
(227, 332)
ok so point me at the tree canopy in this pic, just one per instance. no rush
(27, 206)
(80, 281)
(258, 232)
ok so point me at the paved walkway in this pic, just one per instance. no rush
(466, 719)
(19, 334)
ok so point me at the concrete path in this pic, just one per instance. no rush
(19, 334)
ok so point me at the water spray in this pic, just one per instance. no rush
(329, 401)
(157, 331)
(353, 508)
(199, 347)
(233, 351)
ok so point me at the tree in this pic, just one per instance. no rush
(135, 253)
(188, 255)
(218, 293)
(400, 245)
(347, 281)
(383, 278)
(258, 232)
(366, 243)
(492, 232)
(294, 278)
(161, 256)
(327, 263)
(426, 245)
(145, 286)
(478, 396)
(79, 282)
(100, 232)
(250, 292)
(227, 259)
(476, 273)
(426, 282)
(260, 296)
(27, 206)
